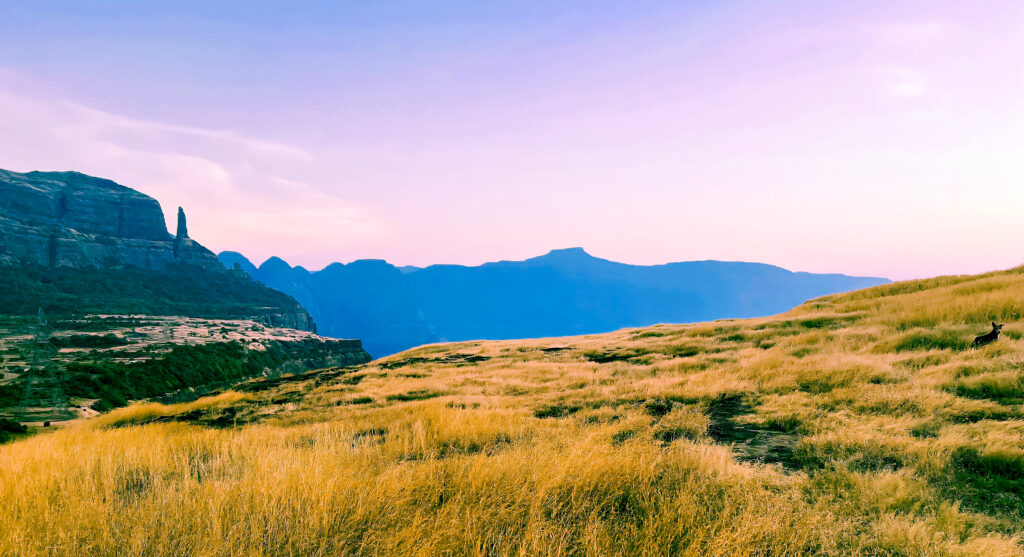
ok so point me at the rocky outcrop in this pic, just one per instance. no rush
(63, 233)
(68, 219)
(182, 226)
(295, 317)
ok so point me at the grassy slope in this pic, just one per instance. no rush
(855, 424)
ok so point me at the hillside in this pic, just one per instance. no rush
(855, 424)
(73, 244)
(106, 361)
(115, 288)
(565, 292)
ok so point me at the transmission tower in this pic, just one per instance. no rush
(44, 398)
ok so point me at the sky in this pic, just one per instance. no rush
(868, 138)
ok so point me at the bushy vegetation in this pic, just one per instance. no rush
(88, 341)
(857, 424)
(10, 428)
(181, 290)
(114, 383)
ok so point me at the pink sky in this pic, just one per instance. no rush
(877, 140)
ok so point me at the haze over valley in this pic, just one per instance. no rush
(565, 292)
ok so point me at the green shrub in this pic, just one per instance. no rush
(185, 366)
(361, 400)
(414, 395)
(9, 426)
(558, 410)
(658, 407)
(621, 437)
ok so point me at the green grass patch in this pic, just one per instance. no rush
(658, 407)
(1002, 388)
(625, 355)
(422, 394)
(558, 410)
(986, 482)
(857, 457)
(621, 437)
(360, 400)
(926, 430)
(926, 340)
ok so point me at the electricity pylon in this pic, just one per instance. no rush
(44, 398)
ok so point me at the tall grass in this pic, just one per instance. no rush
(857, 424)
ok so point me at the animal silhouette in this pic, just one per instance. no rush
(987, 338)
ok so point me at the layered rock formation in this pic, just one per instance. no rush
(75, 243)
(68, 219)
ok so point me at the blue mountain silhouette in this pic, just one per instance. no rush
(564, 292)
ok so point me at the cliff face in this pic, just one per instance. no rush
(68, 219)
(71, 243)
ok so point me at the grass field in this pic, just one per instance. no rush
(856, 424)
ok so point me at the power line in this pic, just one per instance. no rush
(44, 398)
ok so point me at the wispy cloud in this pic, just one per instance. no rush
(902, 82)
(148, 127)
(236, 189)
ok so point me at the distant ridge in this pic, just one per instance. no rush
(563, 292)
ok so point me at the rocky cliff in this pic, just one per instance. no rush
(68, 219)
(71, 243)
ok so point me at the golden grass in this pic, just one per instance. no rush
(148, 412)
(856, 424)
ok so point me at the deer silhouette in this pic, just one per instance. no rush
(987, 338)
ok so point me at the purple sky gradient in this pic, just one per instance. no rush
(876, 139)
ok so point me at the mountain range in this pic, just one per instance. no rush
(72, 243)
(564, 292)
